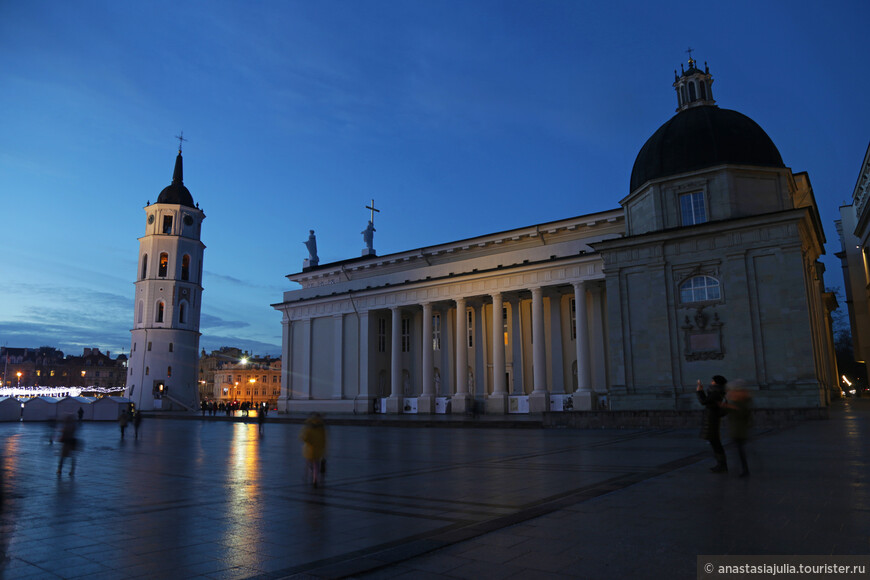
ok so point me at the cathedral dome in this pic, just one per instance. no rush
(701, 137)
(701, 134)
(176, 192)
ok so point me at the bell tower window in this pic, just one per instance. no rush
(144, 267)
(167, 224)
(164, 264)
(185, 267)
(160, 309)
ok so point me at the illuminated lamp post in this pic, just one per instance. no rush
(19, 378)
(252, 382)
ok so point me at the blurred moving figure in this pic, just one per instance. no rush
(739, 406)
(712, 400)
(313, 437)
(70, 444)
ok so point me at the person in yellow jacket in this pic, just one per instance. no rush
(313, 437)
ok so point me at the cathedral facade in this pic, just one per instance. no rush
(709, 266)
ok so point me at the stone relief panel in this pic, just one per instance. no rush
(702, 335)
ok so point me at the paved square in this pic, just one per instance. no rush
(211, 498)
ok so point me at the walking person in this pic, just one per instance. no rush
(261, 419)
(123, 419)
(739, 406)
(712, 400)
(70, 443)
(313, 437)
(137, 421)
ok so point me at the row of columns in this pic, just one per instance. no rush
(497, 401)
(584, 397)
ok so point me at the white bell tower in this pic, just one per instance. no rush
(164, 354)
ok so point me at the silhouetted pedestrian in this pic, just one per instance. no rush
(81, 413)
(122, 422)
(261, 419)
(70, 444)
(739, 405)
(137, 421)
(712, 400)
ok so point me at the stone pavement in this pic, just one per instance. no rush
(212, 499)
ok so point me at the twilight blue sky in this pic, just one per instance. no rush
(458, 117)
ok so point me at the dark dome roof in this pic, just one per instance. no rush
(703, 137)
(176, 192)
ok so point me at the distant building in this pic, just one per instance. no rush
(854, 229)
(165, 338)
(48, 367)
(228, 375)
(710, 266)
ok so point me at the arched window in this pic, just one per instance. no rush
(141, 309)
(683, 92)
(144, 267)
(168, 371)
(703, 90)
(160, 308)
(692, 96)
(185, 267)
(164, 264)
(700, 289)
(182, 313)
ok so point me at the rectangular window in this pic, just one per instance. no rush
(170, 347)
(167, 224)
(52, 373)
(382, 335)
(470, 328)
(149, 346)
(436, 331)
(406, 335)
(692, 208)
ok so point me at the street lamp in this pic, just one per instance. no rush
(19, 379)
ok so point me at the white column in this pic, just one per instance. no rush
(394, 402)
(539, 400)
(516, 348)
(363, 403)
(286, 364)
(426, 402)
(305, 370)
(461, 400)
(497, 401)
(461, 348)
(584, 398)
(338, 355)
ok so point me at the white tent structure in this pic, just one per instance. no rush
(109, 408)
(40, 409)
(71, 406)
(10, 409)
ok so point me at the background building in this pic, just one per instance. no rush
(230, 375)
(854, 230)
(48, 367)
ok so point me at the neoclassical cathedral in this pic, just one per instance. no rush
(164, 353)
(709, 266)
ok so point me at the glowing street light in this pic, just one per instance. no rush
(19, 378)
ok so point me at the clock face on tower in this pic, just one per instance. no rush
(151, 219)
(188, 220)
